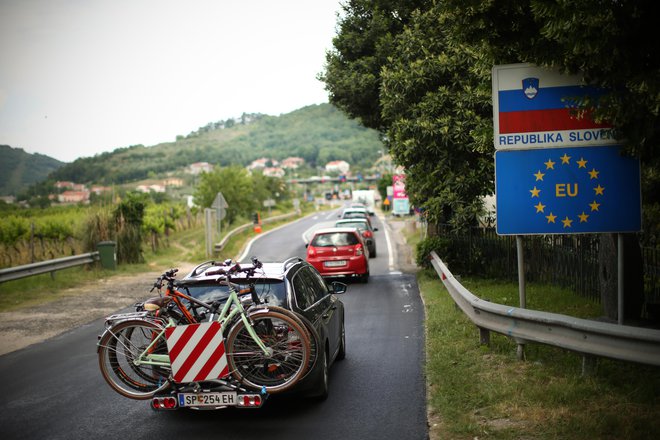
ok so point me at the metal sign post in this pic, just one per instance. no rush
(220, 205)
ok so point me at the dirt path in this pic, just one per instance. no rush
(73, 308)
(91, 301)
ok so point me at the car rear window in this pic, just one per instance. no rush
(355, 215)
(272, 292)
(335, 239)
(358, 225)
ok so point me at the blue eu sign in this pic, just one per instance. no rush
(567, 191)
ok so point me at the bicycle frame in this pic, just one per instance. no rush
(226, 315)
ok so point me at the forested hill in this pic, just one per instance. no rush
(19, 170)
(317, 133)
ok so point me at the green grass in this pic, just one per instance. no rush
(486, 392)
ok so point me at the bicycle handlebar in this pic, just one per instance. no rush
(236, 268)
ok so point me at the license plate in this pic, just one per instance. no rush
(208, 399)
(334, 263)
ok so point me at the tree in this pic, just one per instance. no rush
(236, 186)
(363, 45)
(420, 73)
(397, 68)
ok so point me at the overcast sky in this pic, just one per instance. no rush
(80, 77)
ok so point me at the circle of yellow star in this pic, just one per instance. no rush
(565, 159)
(583, 217)
(539, 175)
(567, 222)
(551, 218)
(582, 163)
(549, 165)
(535, 192)
(540, 207)
(594, 206)
(593, 174)
(599, 190)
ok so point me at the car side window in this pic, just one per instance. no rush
(316, 280)
(309, 286)
(304, 293)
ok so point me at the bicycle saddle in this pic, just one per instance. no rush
(156, 303)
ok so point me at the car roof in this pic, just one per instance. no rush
(352, 220)
(355, 210)
(334, 230)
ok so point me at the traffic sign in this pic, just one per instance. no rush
(567, 191)
(535, 107)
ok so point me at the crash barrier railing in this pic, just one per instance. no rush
(219, 246)
(28, 270)
(591, 338)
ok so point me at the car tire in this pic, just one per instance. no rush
(341, 354)
(364, 278)
(321, 389)
(372, 253)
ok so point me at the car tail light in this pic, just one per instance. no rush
(367, 234)
(358, 250)
(250, 401)
(310, 251)
(163, 403)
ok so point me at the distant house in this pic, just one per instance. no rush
(73, 197)
(100, 189)
(69, 185)
(293, 163)
(8, 199)
(63, 184)
(200, 167)
(259, 164)
(173, 181)
(274, 172)
(339, 166)
(149, 188)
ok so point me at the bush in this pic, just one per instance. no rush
(426, 246)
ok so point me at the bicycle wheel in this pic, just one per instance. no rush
(288, 357)
(120, 346)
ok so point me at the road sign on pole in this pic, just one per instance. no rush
(567, 191)
(534, 107)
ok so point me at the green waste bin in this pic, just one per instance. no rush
(108, 254)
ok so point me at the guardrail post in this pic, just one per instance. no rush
(520, 352)
(484, 336)
(589, 365)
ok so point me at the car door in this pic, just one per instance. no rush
(327, 308)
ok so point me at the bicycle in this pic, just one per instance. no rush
(266, 348)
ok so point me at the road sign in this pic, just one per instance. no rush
(220, 205)
(219, 202)
(567, 191)
(535, 107)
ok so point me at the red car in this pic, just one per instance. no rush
(339, 252)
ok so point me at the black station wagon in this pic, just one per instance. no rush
(295, 285)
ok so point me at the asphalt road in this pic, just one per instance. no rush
(53, 390)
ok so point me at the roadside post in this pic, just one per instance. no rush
(556, 173)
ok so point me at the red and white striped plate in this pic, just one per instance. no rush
(197, 352)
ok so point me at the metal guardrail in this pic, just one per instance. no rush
(219, 246)
(28, 270)
(581, 335)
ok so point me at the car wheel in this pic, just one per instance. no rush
(372, 252)
(365, 278)
(341, 354)
(322, 385)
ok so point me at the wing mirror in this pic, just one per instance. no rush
(338, 287)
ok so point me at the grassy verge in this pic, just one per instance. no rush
(483, 392)
(184, 246)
